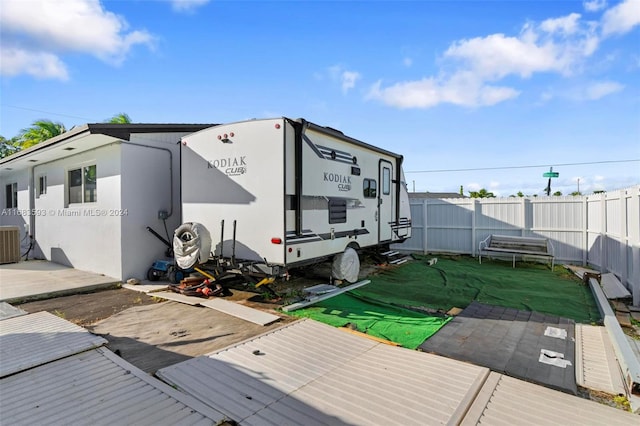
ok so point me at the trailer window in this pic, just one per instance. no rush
(386, 181)
(337, 210)
(370, 188)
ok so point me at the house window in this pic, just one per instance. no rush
(11, 195)
(42, 186)
(83, 185)
(370, 188)
(386, 181)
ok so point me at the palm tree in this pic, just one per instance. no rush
(483, 193)
(40, 130)
(120, 118)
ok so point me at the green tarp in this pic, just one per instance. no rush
(403, 326)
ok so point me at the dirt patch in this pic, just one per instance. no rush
(87, 309)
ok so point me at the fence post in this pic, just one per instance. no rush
(635, 275)
(474, 204)
(585, 231)
(603, 234)
(624, 237)
(523, 217)
(425, 229)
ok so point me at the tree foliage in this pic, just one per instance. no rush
(120, 118)
(8, 146)
(40, 130)
(483, 193)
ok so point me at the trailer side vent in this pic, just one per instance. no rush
(337, 210)
(9, 244)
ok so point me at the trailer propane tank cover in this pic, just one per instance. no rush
(191, 244)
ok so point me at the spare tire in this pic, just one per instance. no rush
(346, 266)
(191, 245)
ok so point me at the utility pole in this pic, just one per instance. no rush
(578, 185)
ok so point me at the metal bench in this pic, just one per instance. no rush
(516, 247)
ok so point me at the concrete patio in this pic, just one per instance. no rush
(40, 279)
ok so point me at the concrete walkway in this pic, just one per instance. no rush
(40, 279)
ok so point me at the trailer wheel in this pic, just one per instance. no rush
(151, 275)
(346, 266)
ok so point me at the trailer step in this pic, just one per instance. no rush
(399, 261)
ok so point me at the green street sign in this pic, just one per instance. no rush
(551, 174)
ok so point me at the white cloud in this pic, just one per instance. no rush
(407, 61)
(600, 89)
(621, 18)
(187, 6)
(462, 89)
(16, 61)
(349, 79)
(346, 78)
(594, 5)
(68, 26)
(472, 186)
(564, 25)
(558, 45)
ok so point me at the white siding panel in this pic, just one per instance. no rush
(96, 388)
(508, 401)
(30, 340)
(311, 373)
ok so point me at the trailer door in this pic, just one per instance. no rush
(385, 201)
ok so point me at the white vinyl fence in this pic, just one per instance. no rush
(601, 230)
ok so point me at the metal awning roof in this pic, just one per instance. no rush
(310, 373)
(30, 340)
(97, 387)
(508, 401)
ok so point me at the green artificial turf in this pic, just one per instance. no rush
(456, 281)
(403, 326)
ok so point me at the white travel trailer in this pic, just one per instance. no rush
(280, 193)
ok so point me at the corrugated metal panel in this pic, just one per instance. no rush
(8, 311)
(96, 388)
(596, 365)
(311, 373)
(31, 340)
(507, 401)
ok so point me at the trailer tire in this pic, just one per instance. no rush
(346, 266)
(151, 275)
(175, 275)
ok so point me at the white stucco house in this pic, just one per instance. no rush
(85, 198)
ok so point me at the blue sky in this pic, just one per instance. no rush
(451, 85)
